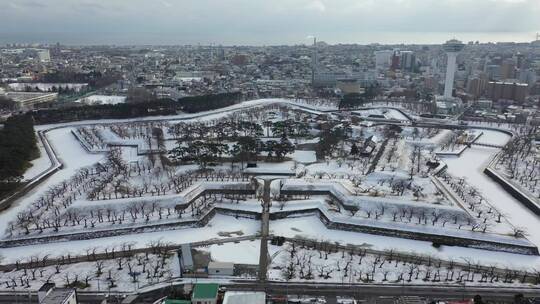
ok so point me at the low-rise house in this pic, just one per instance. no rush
(221, 268)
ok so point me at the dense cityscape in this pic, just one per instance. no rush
(312, 172)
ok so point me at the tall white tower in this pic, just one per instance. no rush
(452, 48)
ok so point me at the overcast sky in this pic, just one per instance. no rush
(266, 21)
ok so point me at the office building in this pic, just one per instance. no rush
(383, 59)
(408, 61)
(477, 86)
(508, 69)
(507, 91)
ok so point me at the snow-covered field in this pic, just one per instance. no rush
(245, 252)
(219, 227)
(312, 228)
(39, 164)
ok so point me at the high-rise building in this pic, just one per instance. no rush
(396, 57)
(408, 61)
(508, 69)
(383, 59)
(520, 60)
(221, 54)
(452, 48)
(493, 71)
(527, 76)
(476, 86)
(507, 91)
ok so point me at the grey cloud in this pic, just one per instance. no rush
(275, 21)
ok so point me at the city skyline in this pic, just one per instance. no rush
(381, 38)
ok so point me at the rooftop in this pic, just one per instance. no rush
(205, 291)
(241, 297)
(58, 296)
(171, 301)
(213, 264)
(21, 96)
(47, 286)
(453, 45)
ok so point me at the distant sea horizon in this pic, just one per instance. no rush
(170, 38)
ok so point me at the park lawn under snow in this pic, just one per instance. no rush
(244, 252)
(219, 227)
(312, 228)
(123, 281)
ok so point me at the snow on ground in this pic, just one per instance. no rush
(331, 166)
(123, 280)
(245, 252)
(441, 137)
(304, 157)
(71, 154)
(102, 99)
(388, 113)
(221, 226)
(285, 167)
(471, 164)
(74, 156)
(312, 228)
(493, 137)
(39, 165)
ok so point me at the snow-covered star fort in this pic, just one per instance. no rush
(277, 190)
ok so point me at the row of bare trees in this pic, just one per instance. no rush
(520, 161)
(114, 266)
(330, 262)
(484, 215)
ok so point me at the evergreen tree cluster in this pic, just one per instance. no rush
(194, 104)
(17, 148)
(95, 79)
(130, 110)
